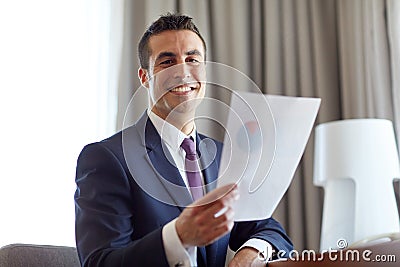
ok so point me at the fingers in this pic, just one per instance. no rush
(225, 193)
(215, 228)
(221, 207)
(224, 223)
(219, 231)
(208, 218)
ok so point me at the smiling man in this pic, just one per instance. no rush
(146, 196)
(175, 76)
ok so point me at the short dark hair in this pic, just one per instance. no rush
(166, 22)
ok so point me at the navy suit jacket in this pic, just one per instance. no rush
(128, 189)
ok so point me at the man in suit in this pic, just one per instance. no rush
(136, 204)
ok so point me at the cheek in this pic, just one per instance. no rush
(156, 89)
(203, 89)
(160, 98)
(199, 73)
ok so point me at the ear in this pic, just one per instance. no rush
(143, 77)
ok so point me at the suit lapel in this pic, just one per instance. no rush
(207, 151)
(160, 160)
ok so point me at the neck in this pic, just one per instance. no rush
(182, 121)
(187, 128)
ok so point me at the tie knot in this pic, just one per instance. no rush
(188, 146)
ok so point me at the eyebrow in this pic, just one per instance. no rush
(170, 54)
(193, 52)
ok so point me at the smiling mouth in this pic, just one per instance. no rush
(183, 89)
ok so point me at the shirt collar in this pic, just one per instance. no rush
(169, 133)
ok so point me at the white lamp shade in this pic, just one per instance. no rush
(356, 162)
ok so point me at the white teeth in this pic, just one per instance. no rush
(181, 89)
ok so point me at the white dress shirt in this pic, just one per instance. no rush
(176, 254)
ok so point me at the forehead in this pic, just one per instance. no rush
(176, 41)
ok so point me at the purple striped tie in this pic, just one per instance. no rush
(192, 169)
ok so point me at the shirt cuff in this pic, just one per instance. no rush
(262, 246)
(176, 254)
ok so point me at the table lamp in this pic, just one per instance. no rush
(356, 161)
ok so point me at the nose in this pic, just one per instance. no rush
(181, 71)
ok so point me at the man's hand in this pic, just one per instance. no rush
(209, 218)
(246, 257)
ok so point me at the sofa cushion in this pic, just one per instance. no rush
(25, 255)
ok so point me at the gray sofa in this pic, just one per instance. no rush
(25, 255)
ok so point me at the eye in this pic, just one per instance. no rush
(166, 62)
(193, 60)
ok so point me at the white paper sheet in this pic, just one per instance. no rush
(265, 139)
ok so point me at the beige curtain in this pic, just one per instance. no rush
(343, 51)
(393, 24)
